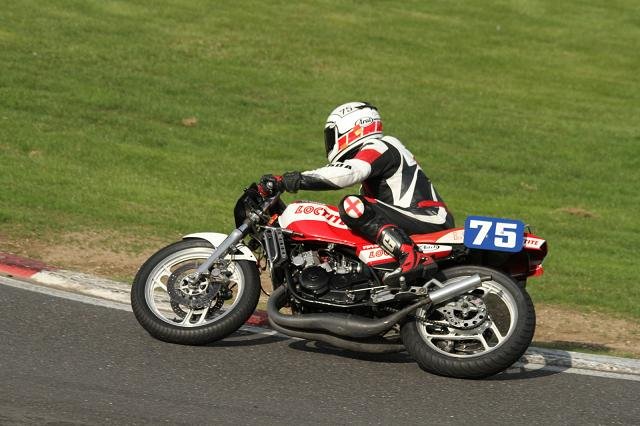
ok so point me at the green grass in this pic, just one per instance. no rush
(514, 108)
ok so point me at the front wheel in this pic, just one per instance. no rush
(477, 334)
(174, 310)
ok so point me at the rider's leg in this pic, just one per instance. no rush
(364, 217)
(413, 263)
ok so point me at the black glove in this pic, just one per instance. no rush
(291, 181)
(270, 184)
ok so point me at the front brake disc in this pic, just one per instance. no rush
(195, 295)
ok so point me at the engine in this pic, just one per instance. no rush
(332, 277)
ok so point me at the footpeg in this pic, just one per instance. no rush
(394, 294)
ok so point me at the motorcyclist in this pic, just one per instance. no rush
(396, 197)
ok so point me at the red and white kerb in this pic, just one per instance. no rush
(353, 207)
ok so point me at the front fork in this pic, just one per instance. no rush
(234, 238)
(221, 251)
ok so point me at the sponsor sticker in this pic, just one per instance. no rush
(535, 243)
(311, 211)
(373, 253)
(433, 248)
(364, 122)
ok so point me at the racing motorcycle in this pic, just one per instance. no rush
(473, 319)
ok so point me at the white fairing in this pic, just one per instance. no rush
(309, 210)
(215, 238)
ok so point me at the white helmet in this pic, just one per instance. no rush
(348, 126)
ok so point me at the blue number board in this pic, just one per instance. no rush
(491, 233)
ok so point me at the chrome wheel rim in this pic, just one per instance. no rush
(474, 324)
(159, 302)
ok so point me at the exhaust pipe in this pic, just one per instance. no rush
(452, 290)
(374, 345)
(336, 323)
(355, 326)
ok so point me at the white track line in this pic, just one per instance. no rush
(11, 282)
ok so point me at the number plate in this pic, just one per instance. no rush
(491, 233)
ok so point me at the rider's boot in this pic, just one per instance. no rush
(414, 264)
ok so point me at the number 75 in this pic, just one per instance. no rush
(505, 235)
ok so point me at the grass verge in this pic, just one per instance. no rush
(149, 119)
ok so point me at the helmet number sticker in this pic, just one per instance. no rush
(490, 233)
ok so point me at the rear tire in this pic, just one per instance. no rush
(170, 322)
(487, 340)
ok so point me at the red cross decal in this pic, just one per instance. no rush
(353, 206)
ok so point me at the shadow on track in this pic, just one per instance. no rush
(323, 348)
(521, 370)
(247, 338)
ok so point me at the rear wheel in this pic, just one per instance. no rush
(477, 334)
(174, 310)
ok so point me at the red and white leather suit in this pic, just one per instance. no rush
(395, 189)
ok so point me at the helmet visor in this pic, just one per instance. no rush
(330, 137)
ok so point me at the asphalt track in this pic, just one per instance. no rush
(72, 362)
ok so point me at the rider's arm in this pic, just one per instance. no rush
(340, 174)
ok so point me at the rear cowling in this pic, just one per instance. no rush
(520, 266)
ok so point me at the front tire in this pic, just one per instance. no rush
(476, 335)
(171, 320)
